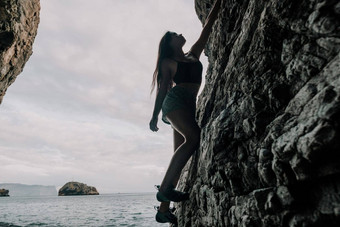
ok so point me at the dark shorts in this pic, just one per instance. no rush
(178, 98)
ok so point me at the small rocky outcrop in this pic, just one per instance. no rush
(18, 27)
(4, 192)
(76, 188)
(270, 117)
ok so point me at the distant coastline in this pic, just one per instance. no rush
(16, 189)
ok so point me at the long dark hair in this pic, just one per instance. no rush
(164, 51)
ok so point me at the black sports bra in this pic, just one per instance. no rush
(188, 72)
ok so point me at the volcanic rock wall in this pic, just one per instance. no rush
(19, 21)
(270, 117)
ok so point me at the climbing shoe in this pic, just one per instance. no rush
(170, 194)
(166, 217)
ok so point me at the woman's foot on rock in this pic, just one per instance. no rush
(166, 217)
(170, 194)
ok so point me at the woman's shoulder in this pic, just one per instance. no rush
(169, 62)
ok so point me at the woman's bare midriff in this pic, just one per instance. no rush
(192, 87)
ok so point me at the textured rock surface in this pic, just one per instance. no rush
(19, 21)
(4, 192)
(76, 188)
(270, 115)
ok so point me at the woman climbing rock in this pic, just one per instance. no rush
(178, 105)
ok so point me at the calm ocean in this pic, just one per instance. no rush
(130, 209)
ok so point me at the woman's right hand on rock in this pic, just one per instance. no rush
(153, 124)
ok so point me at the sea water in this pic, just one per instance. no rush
(121, 209)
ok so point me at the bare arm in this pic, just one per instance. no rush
(198, 47)
(167, 71)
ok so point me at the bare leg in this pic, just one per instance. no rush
(185, 124)
(178, 140)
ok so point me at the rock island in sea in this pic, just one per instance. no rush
(4, 192)
(76, 188)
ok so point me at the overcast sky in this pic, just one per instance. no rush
(81, 108)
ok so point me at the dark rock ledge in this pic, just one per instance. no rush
(19, 22)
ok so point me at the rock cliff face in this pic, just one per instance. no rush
(76, 188)
(270, 117)
(19, 21)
